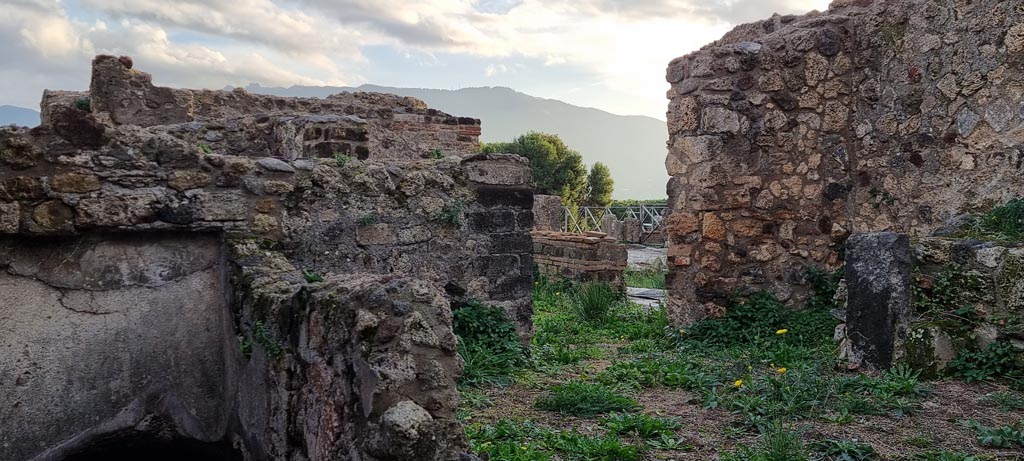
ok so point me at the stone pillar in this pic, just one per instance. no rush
(547, 213)
(631, 230)
(879, 306)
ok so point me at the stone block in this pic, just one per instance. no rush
(375, 234)
(75, 183)
(879, 306)
(10, 216)
(498, 170)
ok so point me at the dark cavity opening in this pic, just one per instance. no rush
(149, 448)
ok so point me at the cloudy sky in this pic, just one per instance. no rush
(609, 54)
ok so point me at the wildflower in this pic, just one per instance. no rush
(738, 383)
(558, 293)
(523, 447)
(782, 331)
(681, 331)
(781, 370)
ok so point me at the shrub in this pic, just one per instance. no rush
(488, 343)
(584, 399)
(83, 104)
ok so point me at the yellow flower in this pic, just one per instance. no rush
(782, 331)
(681, 331)
(523, 447)
(781, 370)
(738, 383)
(557, 293)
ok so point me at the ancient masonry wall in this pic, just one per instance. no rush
(586, 257)
(207, 266)
(791, 133)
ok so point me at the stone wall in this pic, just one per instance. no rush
(592, 256)
(791, 133)
(207, 275)
(986, 276)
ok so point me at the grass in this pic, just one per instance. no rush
(607, 379)
(645, 278)
(584, 399)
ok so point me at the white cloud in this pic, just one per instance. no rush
(623, 45)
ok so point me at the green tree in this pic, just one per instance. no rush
(599, 185)
(557, 170)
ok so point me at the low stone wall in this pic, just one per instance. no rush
(925, 301)
(188, 273)
(588, 257)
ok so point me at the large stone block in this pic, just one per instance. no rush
(879, 310)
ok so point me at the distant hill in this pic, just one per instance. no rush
(18, 116)
(633, 147)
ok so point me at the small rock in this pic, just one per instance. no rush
(274, 164)
(749, 47)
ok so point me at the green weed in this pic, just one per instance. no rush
(516, 440)
(640, 425)
(1006, 401)
(645, 278)
(262, 337)
(596, 301)
(584, 399)
(368, 219)
(342, 159)
(844, 450)
(997, 360)
(488, 343)
(1005, 222)
(312, 276)
(451, 215)
(945, 456)
(997, 437)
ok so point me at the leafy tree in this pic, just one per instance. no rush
(599, 185)
(557, 170)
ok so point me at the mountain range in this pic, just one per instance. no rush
(633, 147)
(18, 116)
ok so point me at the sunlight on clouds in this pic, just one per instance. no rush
(618, 48)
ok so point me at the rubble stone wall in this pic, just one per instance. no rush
(788, 134)
(924, 302)
(236, 286)
(586, 257)
(986, 276)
